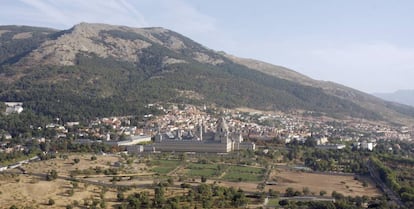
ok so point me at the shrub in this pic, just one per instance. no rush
(51, 201)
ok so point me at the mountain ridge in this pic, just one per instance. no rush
(402, 96)
(89, 68)
(392, 108)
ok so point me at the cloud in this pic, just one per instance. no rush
(134, 11)
(66, 13)
(52, 13)
(185, 17)
(173, 14)
(177, 15)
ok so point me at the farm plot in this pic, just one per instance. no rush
(207, 170)
(242, 173)
(163, 167)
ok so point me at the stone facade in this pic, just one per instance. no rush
(220, 141)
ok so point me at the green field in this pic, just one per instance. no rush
(241, 173)
(273, 202)
(207, 170)
(232, 172)
(163, 167)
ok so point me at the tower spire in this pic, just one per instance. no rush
(201, 129)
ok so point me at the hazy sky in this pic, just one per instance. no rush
(364, 44)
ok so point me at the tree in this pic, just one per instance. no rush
(323, 205)
(289, 192)
(283, 202)
(322, 193)
(206, 203)
(297, 193)
(273, 193)
(129, 161)
(76, 160)
(337, 195)
(306, 191)
(102, 204)
(120, 196)
(52, 175)
(239, 199)
(183, 157)
(103, 191)
(203, 179)
(93, 158)
(74, 184)
(170, 181)
(185, 185)
(133, 202)
(51, 201)
(310, 142)
(204, 191)
(364, 184)
(159, 196)
(71, 192)
(144, 199)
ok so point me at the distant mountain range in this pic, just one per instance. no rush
(93, 70)
(400, 96)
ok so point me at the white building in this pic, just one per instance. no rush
(135, 149)
(131, 140)
(322, 140)
(13, 107)
(331, 146)
(367, 145)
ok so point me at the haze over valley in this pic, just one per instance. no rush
(401, 96)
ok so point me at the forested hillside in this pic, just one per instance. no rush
(18, 41)
(116, 70)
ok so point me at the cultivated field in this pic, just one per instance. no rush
(96, 178)
(316, 182)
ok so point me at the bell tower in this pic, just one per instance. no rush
(222, 131)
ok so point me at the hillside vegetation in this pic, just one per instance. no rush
(95, 70)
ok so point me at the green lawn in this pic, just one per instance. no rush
(163, 167)
(207, 170)
(273, 202)
(242, 173)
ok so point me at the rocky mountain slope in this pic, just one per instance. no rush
(393, 109)
(95, 70)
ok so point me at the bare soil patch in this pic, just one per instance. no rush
(316, 182)
(30, 190)
(245, 186)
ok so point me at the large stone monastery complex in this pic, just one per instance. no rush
(220, 141)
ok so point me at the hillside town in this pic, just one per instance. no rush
(265, 143)
(264, 153)
(186, 122)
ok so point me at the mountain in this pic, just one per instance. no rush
(401, 96)
(389, 110)
(94, 70)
